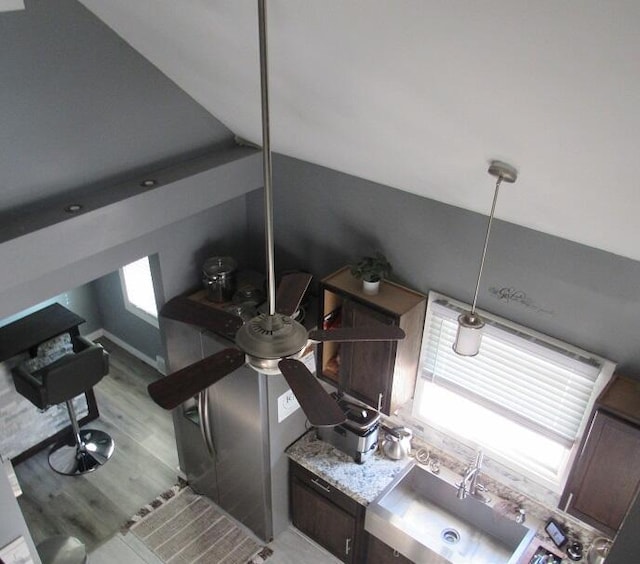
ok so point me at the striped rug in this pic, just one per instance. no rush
(191, 529)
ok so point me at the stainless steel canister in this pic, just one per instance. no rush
(219, 278)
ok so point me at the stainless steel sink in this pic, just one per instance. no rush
(419, 515)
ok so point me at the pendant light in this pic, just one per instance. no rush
(470, 324)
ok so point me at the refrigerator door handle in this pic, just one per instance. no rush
(205, 427)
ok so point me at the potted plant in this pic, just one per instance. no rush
(371, 270)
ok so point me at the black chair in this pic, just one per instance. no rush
(60, 381)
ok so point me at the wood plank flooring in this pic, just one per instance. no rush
(93, 507)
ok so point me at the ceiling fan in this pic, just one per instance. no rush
(271, 342)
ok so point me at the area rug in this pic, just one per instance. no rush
(182, 527)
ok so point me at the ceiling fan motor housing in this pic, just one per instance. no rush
(266, 339)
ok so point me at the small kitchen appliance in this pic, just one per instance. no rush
(397, 443)
(358, 435)
(219, 278)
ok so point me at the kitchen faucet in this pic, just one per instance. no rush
(469, 484)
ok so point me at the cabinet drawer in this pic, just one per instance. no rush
(318, 485)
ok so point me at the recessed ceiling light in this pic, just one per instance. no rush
(149, 183)
(73, 208)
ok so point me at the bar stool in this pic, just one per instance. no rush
(67, 368)
(62, 550)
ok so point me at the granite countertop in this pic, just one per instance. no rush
(361, 482)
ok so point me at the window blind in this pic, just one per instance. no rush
(525, 378)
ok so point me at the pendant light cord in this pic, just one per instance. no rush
(266, 159)
(486, 244)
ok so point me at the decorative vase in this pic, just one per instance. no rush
(371, 288)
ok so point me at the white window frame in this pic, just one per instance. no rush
(425, 383)
(133, 308)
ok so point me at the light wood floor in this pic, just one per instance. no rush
(94, 507)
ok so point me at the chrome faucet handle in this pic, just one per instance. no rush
(422, 455)
(521, 515)
(434, 465)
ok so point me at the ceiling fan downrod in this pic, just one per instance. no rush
(268, 338)
(266, 158)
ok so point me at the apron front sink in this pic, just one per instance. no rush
(420, 515)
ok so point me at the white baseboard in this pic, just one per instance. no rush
(157, 363)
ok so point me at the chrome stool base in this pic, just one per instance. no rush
(62, 550)
(72, 459)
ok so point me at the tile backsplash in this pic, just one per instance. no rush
(22, 424)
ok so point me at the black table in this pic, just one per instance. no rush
(34, 329)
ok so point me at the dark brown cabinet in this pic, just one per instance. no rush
(381, 553)
(605, 478)
(378, 373)
(329, 517)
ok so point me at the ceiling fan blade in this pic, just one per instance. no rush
(290, 292)
(320, 408)
(201, 315)
(354, 334)
(170, 391)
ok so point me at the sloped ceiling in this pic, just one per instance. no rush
(421, 94)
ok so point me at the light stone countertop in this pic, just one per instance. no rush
(361, 482)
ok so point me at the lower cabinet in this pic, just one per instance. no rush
(334, 520)
(380, 553)
(329, 517)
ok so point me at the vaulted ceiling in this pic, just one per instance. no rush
(421, 94)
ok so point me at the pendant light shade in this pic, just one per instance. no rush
(470, 324)
(469, 335)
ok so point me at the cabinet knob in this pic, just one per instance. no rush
(380, 396)
(347, 546)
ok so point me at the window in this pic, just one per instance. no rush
(137, 289)
(525, 398)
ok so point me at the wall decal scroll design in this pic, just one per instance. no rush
(510, 295)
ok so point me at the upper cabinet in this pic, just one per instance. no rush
(381, 373)
(605, 478)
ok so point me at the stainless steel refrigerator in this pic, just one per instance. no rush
(231, 440)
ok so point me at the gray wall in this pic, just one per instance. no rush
(80, 300)
(47, 261)
(120, 322)
(78, 105)
(325, 219)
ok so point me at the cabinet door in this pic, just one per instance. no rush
(381, 553)
(607, 474)
(323, 521)
(367, 367)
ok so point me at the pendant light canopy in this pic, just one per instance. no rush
(470, 324)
